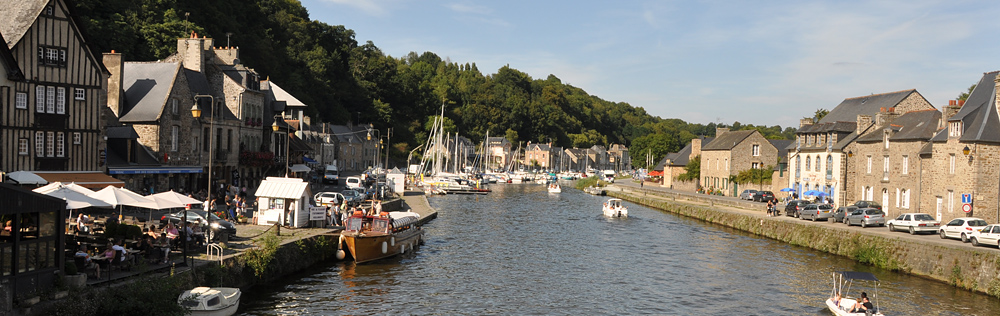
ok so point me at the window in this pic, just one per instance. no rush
(60, 145)
(207, 139)
(906, 198)
(50, 10)
(173, 106)
(756, 150)
(60, 100)
(951, 201)
(40, 99)
(885, 167)
(906, 165)
(229, 140)
(829, 167)
(50, 148)
(20, 100)
(77, 138)
(951, 163)
(22, 146)
(79, 94)
(797, 167)
(50, 99)
(174, 130)
(955, 129)
(898, 196)
(755, 165)
(869, 164)
(817, 164)
(808, 162)
(885, 139)
(39, 144)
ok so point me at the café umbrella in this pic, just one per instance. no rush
(56, 185)
(76, 200)
(119, 197)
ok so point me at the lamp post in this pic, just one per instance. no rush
(275, 127)
(375, 154)
(196, 113)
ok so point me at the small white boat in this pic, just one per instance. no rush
(555, 188)
(211, 301)
(614, 208)
(841, 304)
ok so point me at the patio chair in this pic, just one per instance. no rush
(81, 266)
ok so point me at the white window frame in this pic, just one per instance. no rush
(40, 99)
(174, 133)
(22, 146)
(50, 100)
(955, 129)
(756, 150)
(951, 164)
(20, 100)
(60, 144)
(79, 94)
(60, 100)
(869, 164)
(906, 199)
(951, 201)
(898, 197)
(50, 144)
(39, 144)
(77, 138)
(906, 164)
(51, 56)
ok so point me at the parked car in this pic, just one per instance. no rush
(747, 194)
(865, 217)
(868, 204)
(989, 235)
(961, 228)
(838, 215)
(793, 207)
(352, 182)
(352, 197)
(914, 223)
(763, 196)
(213, 227)
(328, 198)
(816, 212)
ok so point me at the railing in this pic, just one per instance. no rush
(214, 250)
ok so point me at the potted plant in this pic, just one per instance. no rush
(73, 277)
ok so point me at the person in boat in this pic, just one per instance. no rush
(860, 305)
(836, 299)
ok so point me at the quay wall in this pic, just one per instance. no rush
(975, 269)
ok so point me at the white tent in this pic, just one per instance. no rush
(117, 197)
(76, 200)
(26, 177)
(176, 197)
(56, 185)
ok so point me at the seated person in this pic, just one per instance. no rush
(118, 247)
(151, 232)
(171, 232)
(82, 253)
(860, 306)
(197, 234)
(164, 245)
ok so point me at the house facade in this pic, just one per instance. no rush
(732, 152)
(538, 156)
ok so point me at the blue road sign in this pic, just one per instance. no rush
(966, 198)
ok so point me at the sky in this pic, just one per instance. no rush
(753, 62)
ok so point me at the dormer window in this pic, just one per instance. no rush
(955, 129)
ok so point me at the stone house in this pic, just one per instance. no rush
(498, 153)
(964, 157)
(819, 153)
(674, 164)
(538, 156)
(618, 157)
(599, 156)
(732, 152)
(53, 95)
(350, 148)
(576, 159)
(886, 159)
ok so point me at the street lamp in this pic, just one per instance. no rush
(196, 113)
(275, 127)
(375, 154)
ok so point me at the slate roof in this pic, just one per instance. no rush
(539, 147)
(127, 132)
(147, 86)
(277, 93)
(663, 162)
(849, 109)
(344, 134)
(497, 141)
(728, 140)
(782, 146)
(978, 115)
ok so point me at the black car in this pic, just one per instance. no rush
(794, 207)
(763, 196)
(868, 204)
(218, 226)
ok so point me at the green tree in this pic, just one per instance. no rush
(965, 95)
(820, 113)
(692, 171)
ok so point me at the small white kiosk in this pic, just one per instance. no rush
(396, 180)
(284, 201)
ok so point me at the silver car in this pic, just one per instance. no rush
(747, 194)
(865, 217)
(914, 223)
(817, 212)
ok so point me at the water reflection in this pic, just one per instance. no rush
(521, 250)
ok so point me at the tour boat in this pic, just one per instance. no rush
(614, 208)
(840, 303)
(211, 301)
(555, 188)
(370, 238)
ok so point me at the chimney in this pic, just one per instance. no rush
(949, 111)
(805, 122)
(721, 130)
(863, 122)
(113, 62)
(885, 116)
(695, 147)
(192, 51)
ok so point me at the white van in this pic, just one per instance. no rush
(331, 175)
(609, 176)
(353, 182)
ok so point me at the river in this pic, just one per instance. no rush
(523, 251)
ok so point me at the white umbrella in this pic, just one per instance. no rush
(26, 177)
(117, 197)
(177, 197)
(76, 200)
(56, 185)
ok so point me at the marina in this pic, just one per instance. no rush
(652, 263)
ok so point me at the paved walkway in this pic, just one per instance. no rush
(416, 201)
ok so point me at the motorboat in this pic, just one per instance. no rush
(594, 190)
(615, 208)
(374, 237)
(555, 188)
(211, 301)
(841, 303)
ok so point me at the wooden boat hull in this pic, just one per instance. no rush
(373, 246)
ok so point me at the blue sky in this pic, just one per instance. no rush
(756, 62)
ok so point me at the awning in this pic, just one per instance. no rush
(154, 170)
(309, 160)
(300, 168)
(87, 179)
(25, 177)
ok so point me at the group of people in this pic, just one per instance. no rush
(862, 305)
(114, 247)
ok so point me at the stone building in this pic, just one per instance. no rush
(732, 152)
(618, 158)
(498, 153)
(674, 164)
(964, 157)
(53, 94)
(350, 148)
(818, 156)
(886, 159)
(538, 156)
(599, 156)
